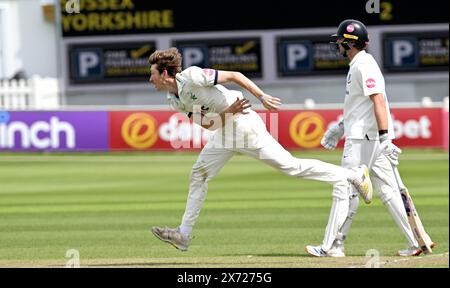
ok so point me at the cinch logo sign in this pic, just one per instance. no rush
(38, 134)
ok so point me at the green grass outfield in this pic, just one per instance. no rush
(103, 205)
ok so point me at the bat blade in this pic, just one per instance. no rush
(421, 236)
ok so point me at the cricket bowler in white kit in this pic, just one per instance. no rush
(198, 93)
(368, 130)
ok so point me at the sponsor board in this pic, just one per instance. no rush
(404, 52)
(235, 54)
(171, 131)
(112, 62)
(154, 130)
(53, 131)
(412, 127)
(306, 55)
(294, 129)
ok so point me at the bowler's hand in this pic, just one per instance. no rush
(238, 106)
(270, 102)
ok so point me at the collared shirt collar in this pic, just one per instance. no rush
(357, 56)
(180, 83)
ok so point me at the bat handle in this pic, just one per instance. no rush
(400, 184)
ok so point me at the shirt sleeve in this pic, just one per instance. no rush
(201, 77)
(372, 80)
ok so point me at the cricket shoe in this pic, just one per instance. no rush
(411, 251)
(317, 251)
(362, 183)
(336, 251)
(172, 236)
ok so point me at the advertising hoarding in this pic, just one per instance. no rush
(53, 131)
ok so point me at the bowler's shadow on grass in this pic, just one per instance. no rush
(268, 255)
(141, 264)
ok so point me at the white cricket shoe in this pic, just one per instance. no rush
(172, 236)
(362, 183)
(336, 251)
(411, 251)
(317, 251)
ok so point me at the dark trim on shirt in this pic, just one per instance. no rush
(216, 75)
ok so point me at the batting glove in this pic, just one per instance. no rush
(388, 149)
(331, 138)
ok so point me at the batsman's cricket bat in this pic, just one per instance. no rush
(421, 236)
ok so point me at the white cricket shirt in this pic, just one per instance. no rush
(364, 79)
(197, 86)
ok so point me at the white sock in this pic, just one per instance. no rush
(185, 230)
(397, 211)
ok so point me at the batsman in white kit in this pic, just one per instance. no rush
(368, 130)
(238, 129)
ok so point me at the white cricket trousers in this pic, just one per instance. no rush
(358, 152)
(212, 159)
